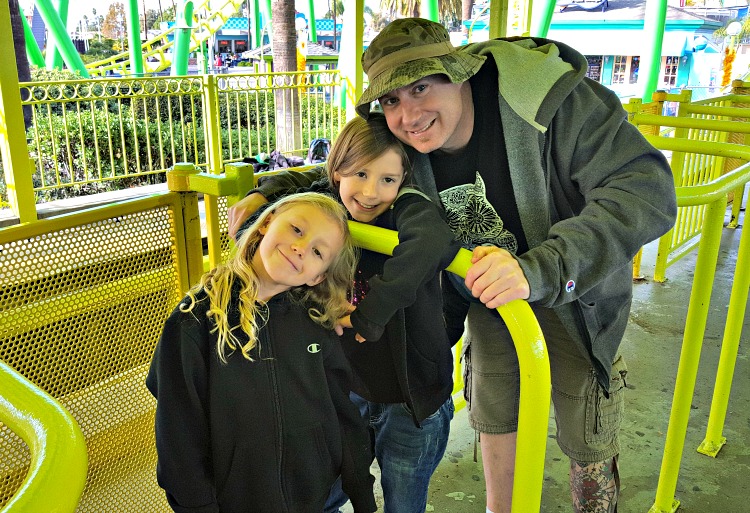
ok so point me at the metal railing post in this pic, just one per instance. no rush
(533, 361)
(178, 180)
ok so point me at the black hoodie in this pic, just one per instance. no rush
(269, 435)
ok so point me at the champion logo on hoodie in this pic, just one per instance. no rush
(313, 348)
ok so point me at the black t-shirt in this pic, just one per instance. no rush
(474, 184)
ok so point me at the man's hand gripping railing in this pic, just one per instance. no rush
(533, 362)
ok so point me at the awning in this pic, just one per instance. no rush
(618, 42)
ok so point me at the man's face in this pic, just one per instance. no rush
(431, 114)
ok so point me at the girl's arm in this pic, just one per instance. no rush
(426, 246)
(178, 379)
(356, 480)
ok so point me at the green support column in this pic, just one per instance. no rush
(256, 24)
(134, 38)
(498, 19)
(313, 28)
(350, 63)
(13, 150)
(653, 33)
(429, 10)
(542, 17)
(267, 14)
(57, 28)
(183, 27)
(32, 49)
(54, 57)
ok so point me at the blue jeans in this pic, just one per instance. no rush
(407, 455)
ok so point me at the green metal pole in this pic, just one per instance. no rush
(687, 370)
(256, 23)
(499, 19)
(542, 17)
(32, 49)
(183, 26)
(429, 10)
(13, 150)
(714, 440)
(312, 26)
(653, 32)
(134, 38)
(350, 63)
(57, 28)
(267, 14)
(54, 57)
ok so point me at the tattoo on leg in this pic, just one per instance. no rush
(595, 486)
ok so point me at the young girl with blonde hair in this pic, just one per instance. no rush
(399, 348)
(253, 410)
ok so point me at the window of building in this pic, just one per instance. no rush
(635, 64)
(669, 70)
(619, 69)
(594, 71)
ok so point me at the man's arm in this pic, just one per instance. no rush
(619, 194)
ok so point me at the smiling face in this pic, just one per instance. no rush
(370, 190)
(431, 114)
(298, 245)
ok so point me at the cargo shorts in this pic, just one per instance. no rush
(588, 421)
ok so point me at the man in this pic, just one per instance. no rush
(543, 177)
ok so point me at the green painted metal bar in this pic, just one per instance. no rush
(713, 110)
(257, 32)
(691, 146)
(700, 124)
(350, 63)
(134, 38)
(429, 10)
(714, 440)
(182, 38)
(311, 23)
(57, 29)
(32, 49)
(14, 152)
(498, 19)
(534, 368)
(713, 194)
(59, 462)
(653, 32)
(54, 56)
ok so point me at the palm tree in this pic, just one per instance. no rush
(288, 123)
(448, 9)
(466, 7)
(19, 45)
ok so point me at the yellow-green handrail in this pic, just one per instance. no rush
(533, 363)
(59, 462)
(712, 194)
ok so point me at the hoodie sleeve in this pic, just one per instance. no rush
(613, 193)
(277, 185)
(356, 480)
(426, 245)
(178, 379)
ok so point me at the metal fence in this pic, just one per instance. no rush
(86, 133)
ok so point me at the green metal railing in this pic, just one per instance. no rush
(713, 196)
(57, 472)
(85, 133)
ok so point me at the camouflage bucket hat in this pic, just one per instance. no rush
(408, 50)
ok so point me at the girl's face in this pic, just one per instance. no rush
(298, 246)
(370, 191)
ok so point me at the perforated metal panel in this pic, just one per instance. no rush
(81, 307)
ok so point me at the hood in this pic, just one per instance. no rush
(535, 75)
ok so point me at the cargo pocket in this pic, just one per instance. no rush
(604, 414)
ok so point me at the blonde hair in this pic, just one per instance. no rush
(327, 300)
(360, 142)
